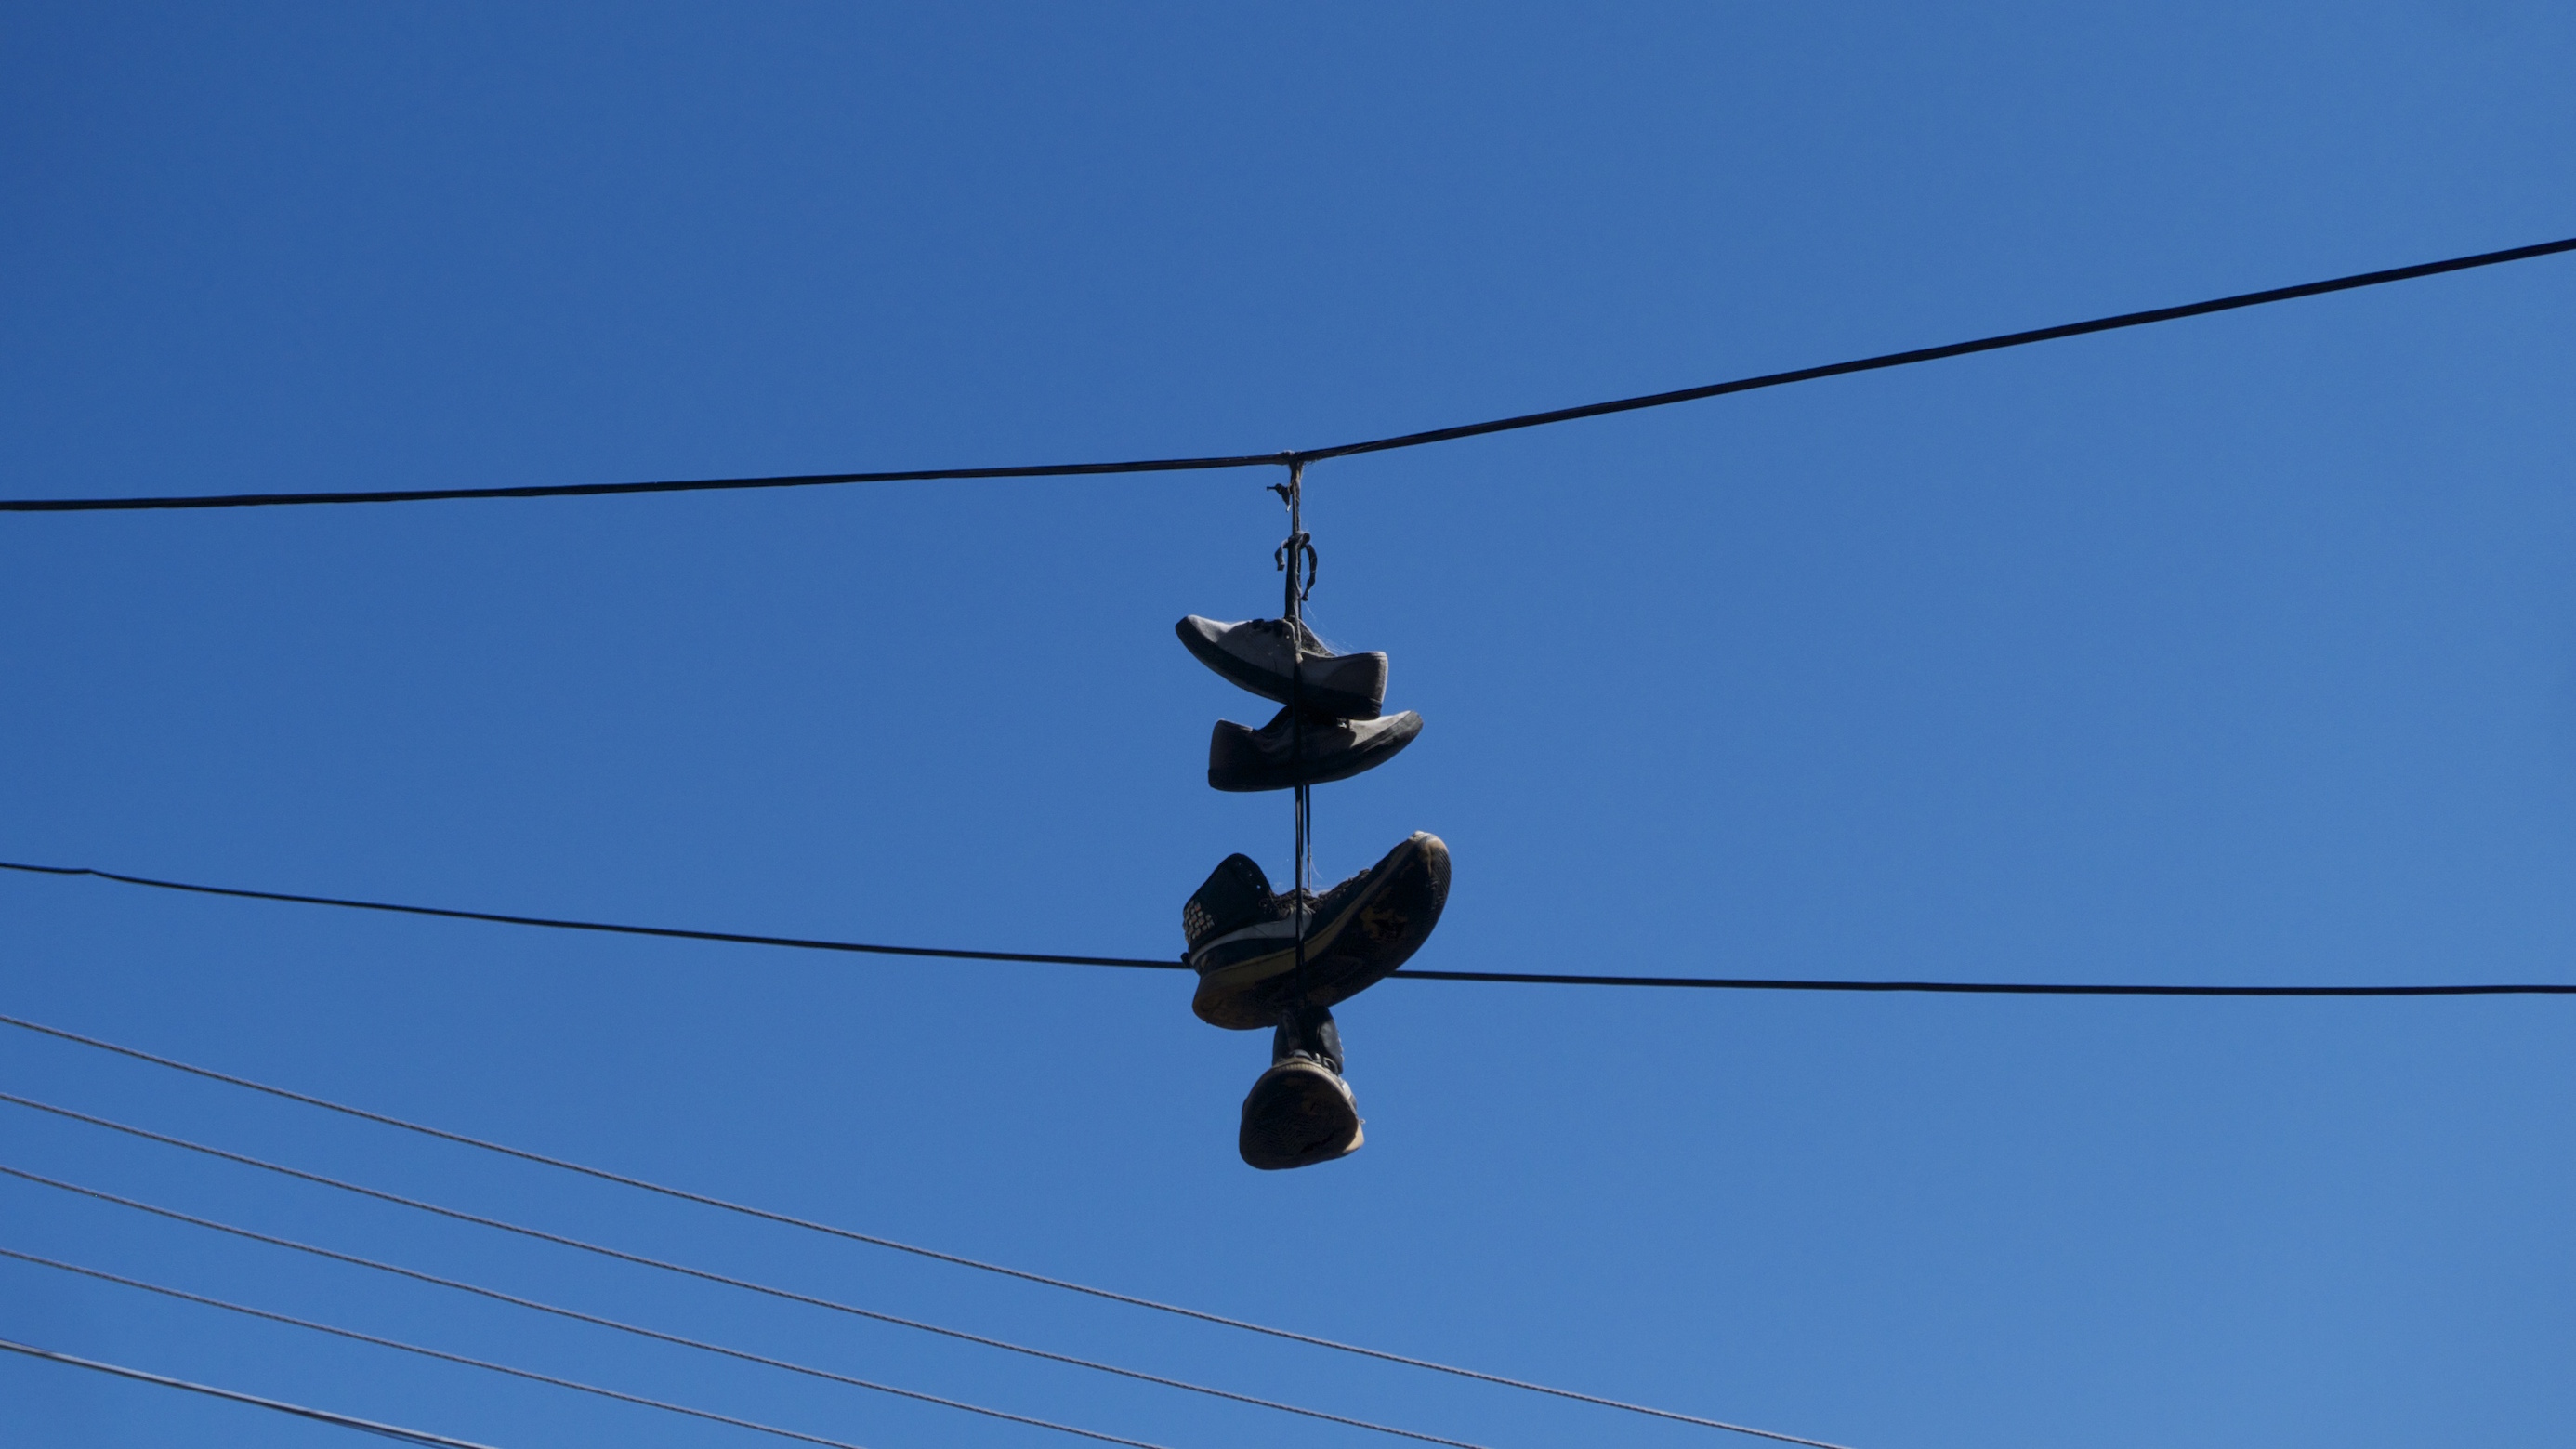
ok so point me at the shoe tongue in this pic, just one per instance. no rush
(1236, 895)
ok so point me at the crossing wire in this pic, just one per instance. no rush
(575, 1315)
(826, 1229)
(441, 1354)
(1300, 456)
(325, 1416)
(1144, 963)
(625, 1257)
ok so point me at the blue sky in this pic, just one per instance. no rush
(2242, 649)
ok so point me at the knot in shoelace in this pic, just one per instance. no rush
(1300, 547)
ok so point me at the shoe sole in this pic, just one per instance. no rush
(1394, 915)
(1378, 751)
(1339, 703)
(1297, 1115)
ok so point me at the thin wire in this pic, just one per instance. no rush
(575, 1315)
(1514, 978)
(364, 1426)
(639, 1259)
(599, 490)
(457, 1358)
(1996, 343)
(809, 1225)
(1985, 988)
(1342, 450)
(672, 933)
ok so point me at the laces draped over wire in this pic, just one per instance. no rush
(1296, 559)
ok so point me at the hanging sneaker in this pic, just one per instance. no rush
(1301, 1112)
(1255, 655)
(1243, 937)
(1298, 1114)
(1280, 756)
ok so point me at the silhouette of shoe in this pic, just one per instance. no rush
(1256, 655)
(1281, 755)
(1243, 936)
(1300, 1112)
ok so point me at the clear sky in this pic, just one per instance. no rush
(2237, 650)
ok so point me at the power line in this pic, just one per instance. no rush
(364, 1426)
(1516, 978)
(598, 490)
(809, 1225)
(1339, 450)
(440, 1354)
(1953, 349)
(671, 933)
(578, 1316)
(1984, 988)
(458, 1215)
(636, 1258)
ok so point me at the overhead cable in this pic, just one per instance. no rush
(1985, 988)
(575, 1315)
(1297, 456)
(1515, 978)
(345, 1421)
(637, 1258)
(668, 932)
(441, 1354)
(808, 1225)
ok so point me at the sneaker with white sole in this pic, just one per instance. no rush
(1243, 936)
(1256, 655)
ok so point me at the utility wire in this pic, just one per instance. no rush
(364, 1426)
(732, 937)
(626, 1257)
(1996, 343)
(1986, 988)
(575, 1315)
(441, 1354)
(1299, 456)
(807, 1224)
(1520, 978)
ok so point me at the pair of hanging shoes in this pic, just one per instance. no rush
(1331, 728)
